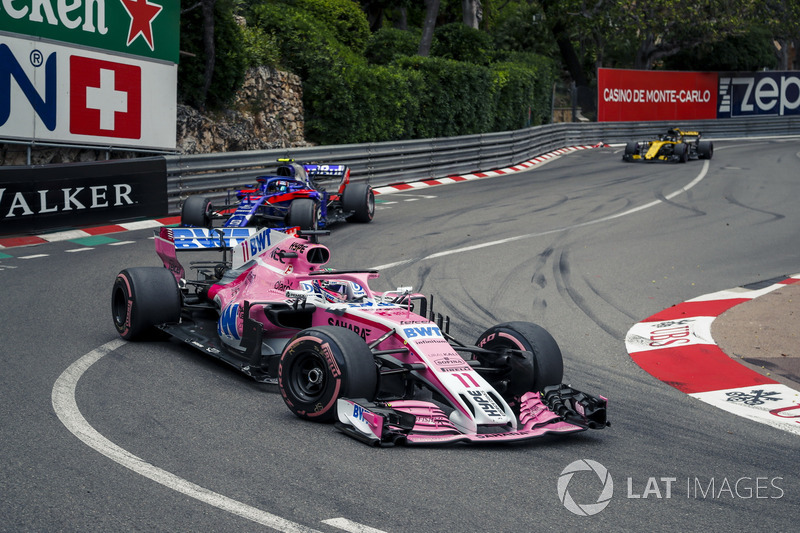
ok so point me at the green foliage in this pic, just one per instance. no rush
(388, 44)
(361, 103)
(388, 92)
(462, 43)
(307, 47)
(260, 48)
(344, 18)
(455, 98)
(230, 62)
(523, 89)
(520, 27)
(749, 52)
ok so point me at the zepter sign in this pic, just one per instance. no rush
(760, 93)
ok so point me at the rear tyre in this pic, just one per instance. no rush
(196, 211)
(542, 368)
(321, 365)
(705, 149)
(303, 213)
(360, 199)
(141, 299)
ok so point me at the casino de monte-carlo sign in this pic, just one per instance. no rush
(89, 72)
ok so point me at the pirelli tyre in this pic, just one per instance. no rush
(705, 149)
(196, 211)
(322, 364)
(143, 298)
(630, 150)
(681, 152)
(303, 212)
(541, 367)
(359, 199)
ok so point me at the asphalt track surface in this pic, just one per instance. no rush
(101, 435)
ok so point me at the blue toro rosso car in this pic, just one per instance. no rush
(309, 196)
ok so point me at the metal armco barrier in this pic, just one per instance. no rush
(216, 175)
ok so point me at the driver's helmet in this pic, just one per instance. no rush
(339, 291)
(278, 186)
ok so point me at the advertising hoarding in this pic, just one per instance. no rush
(56, 93)
(759, 93)
(644, 95)
(140, 27)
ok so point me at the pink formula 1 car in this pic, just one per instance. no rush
(382, 365)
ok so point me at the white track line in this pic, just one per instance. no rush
(66, 407)
(671, 195)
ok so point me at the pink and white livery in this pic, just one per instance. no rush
(381, 365)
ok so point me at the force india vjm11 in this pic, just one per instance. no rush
(381, 365)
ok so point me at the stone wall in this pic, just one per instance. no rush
(267, 112)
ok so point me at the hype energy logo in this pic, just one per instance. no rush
(52, 92)
(759, 93)
(148, 28)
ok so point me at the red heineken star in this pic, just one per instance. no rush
(142, 14)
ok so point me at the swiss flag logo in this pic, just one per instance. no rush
(105, 98)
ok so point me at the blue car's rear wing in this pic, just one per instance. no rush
(209, 239)
(327, 171)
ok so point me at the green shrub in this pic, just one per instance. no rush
(304, 43)
(260, 48)
(388, 44)
(361, 103)
(399, 95)
(455, 98)
(525, 81)
(344, 19)
(462, 43)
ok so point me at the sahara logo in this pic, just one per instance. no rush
(585, 509)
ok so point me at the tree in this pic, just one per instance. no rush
(782, 19)
(208, 45)
(472, 13)
(431, 12)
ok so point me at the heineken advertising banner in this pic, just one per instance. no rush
(56, 93)
(140, 27)
(91, 72)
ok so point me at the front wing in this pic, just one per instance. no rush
(557, 409)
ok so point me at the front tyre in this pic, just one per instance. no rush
(542, 368)
(321, 365)
(630, 150)
(196, 211)
(681, 151)
(141, 299)
(359, 199)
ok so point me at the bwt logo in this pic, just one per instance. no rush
(105, 97)
(770, 93)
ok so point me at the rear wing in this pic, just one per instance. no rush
(323, 172)
(207, 238)
(245, 244)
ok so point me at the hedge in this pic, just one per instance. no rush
(349, 100)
